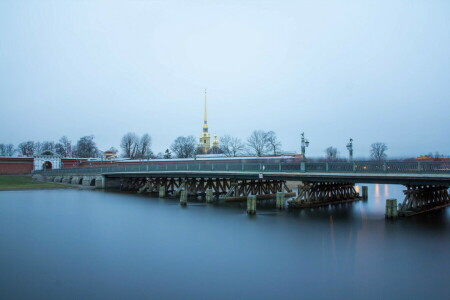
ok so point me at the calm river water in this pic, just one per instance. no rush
(78, 244)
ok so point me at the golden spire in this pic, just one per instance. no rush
(205, 117)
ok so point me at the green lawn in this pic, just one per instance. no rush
(17, 182)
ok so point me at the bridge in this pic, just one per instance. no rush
(322, 183)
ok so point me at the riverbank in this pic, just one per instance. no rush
(23, 182)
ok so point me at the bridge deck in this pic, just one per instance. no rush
(353, 172)
(298, 176)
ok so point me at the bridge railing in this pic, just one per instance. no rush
(313, 167)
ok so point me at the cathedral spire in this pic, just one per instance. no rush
(205, 137)
(205, 117)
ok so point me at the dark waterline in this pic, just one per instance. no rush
(76, 244)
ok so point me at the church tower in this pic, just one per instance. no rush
(205, 138)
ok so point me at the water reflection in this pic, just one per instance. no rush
(386, 191)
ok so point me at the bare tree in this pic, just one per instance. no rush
(64, 147)
(47, 146)
(10, 150)
(225, 144)
(144, 150)
(59, 149)
(27, 148)
(167, 154)
(273, 143)
(378, 151)
(86, 147)
(184, 147)
(258, 143)
(38, 148)
(331, 153)
(7, 150)
(129, 145)
(231, 146)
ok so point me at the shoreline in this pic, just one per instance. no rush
(25, 182)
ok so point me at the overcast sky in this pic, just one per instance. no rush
(373, 71)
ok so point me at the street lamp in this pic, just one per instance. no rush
(305, 143)
(350, 149)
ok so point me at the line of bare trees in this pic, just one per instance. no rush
(377, 152)
(85, 147)
(258, 143)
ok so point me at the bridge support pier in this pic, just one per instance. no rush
(280, 200)
(162, 191)
(314, 194)
(423, 198)
(391, 208)
(365, 192)
(183, 197)
(251, 204)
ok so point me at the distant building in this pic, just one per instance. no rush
(109, 154)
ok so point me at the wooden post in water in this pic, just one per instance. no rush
(280, 200)
(183, 198)
(251, 204)
(365, 192)
(209, 196)
(162, 192)
(391, 208)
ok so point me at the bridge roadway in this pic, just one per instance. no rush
(417, 173)
(383, 178)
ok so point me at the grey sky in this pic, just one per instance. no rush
(374, 71)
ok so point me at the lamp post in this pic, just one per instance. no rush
(350, 149)
(305, 143)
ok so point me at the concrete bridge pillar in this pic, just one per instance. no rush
(280, 200)
(162, 191)
(183, 197)
(100, 182)
(391, 208)
(251, 204)
(365, 192)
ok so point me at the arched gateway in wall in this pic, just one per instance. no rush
(47, 160)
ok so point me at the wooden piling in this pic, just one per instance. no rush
(251, 204)
(183, 198)
(280, 200)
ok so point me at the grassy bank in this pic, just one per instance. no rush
(18, 182)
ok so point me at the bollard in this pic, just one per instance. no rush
(365, 192)
(162, 192)
(391, 208)
(251, 204)
(183, 198)
(209, 196)
(280, 200)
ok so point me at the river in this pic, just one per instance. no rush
(83, 244)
